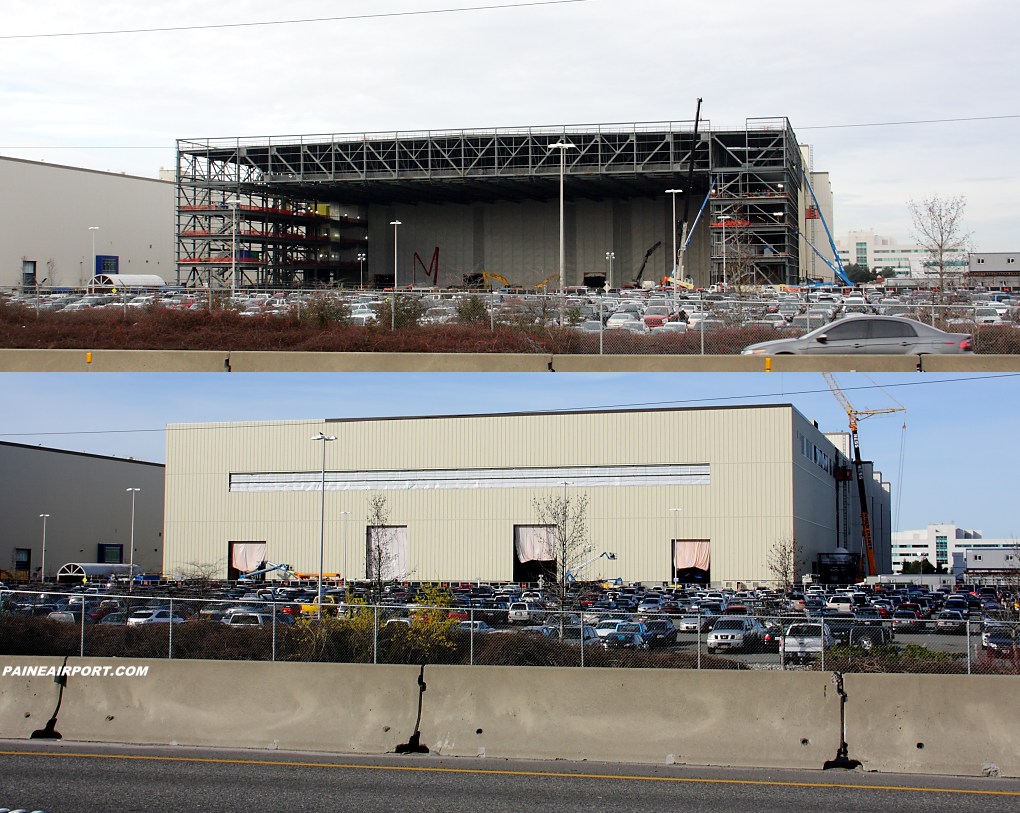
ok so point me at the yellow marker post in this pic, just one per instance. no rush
(88, 358)
(768, 365)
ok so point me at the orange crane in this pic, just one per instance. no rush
(854, 415)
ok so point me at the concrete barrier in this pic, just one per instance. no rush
(946, 724)
(964, 725)
(634, 715)
(295, 361)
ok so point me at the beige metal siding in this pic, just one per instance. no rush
(468, 534)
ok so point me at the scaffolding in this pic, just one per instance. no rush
(293, 210)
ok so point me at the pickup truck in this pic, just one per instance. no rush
(803, 642)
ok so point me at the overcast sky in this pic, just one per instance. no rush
(118, 102)
(960, 451)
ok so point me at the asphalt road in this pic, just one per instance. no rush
(67, 778)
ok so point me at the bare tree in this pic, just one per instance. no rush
(781, 561)
(379, 544)
(938, 230)
(202, 575)
(567, 518)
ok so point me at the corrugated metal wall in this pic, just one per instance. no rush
(467, 534)
(520, 241)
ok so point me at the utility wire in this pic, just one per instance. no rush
(596, 408)
(900, 123)
(302, 21)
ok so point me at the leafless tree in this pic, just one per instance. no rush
(567, 518)
(781, 561)
(379, 544)
(938, 230)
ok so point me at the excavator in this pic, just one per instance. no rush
(487, 277)
(547, 280)
(637, 279)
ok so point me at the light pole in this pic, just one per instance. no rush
(562, 146)
(361, 263)
(676, 257)
(393, 310)
(674, 512)
(322, 519)
(610, 255)
(344, 521)
(233, 204)
(88, 284)
(131, 569)
(43, 569)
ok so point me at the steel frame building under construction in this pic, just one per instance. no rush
(297, 210)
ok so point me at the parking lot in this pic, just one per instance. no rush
(723, 321)
(664, 627)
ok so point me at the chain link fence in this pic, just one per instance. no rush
(635, 322)
(38, 623)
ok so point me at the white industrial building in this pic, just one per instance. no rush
(994, 269)
(87, 508)
(879, 253)
(942, 545)
(669, 491)
(50, 215)
(812, 223)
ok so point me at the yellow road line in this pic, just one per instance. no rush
(492, 772)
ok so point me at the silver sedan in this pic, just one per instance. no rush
(858, 334)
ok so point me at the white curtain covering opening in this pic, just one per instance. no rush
(694, 553)
(387, 551)
(247, 556)
(535, 543)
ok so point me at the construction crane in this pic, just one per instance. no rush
(641, 270)
(855, 415)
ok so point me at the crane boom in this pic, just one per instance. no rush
(854, 415)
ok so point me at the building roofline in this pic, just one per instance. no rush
(81, 454)
(83, 169)
(558, 413)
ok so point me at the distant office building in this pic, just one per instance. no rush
(940, 545)
(47, 215)
(88, 507)
(878, 253)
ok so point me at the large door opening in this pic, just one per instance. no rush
(691, 561)
(534, 554)
(245, 557)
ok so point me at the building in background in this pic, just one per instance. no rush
(813, 219)
(690, 494)
(944, 546)
(997, 270)
(89, 510)
(46, 215)
(885, 255)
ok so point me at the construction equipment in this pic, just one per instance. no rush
(571, 575)
(854, 415)
(487, 276)
(641, 270)
(816, 214)
(269, 568)
(678, 262)
(547, 280)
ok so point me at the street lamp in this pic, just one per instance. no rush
(674, 512)
(361, 262)
(322, 520)
(43, 569)
(92, 229)
(562, 146)
(233, 204)
(131, 571)
(676, 257)
(393, 310)
(610, 255)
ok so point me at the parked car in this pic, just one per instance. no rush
(1001, 643)
(867, 334)
(623, 640)
(157, 615)
(868, 637)
(660, 632)
(803, 642)
(735, 632)
(951, 621)
(692, 623)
